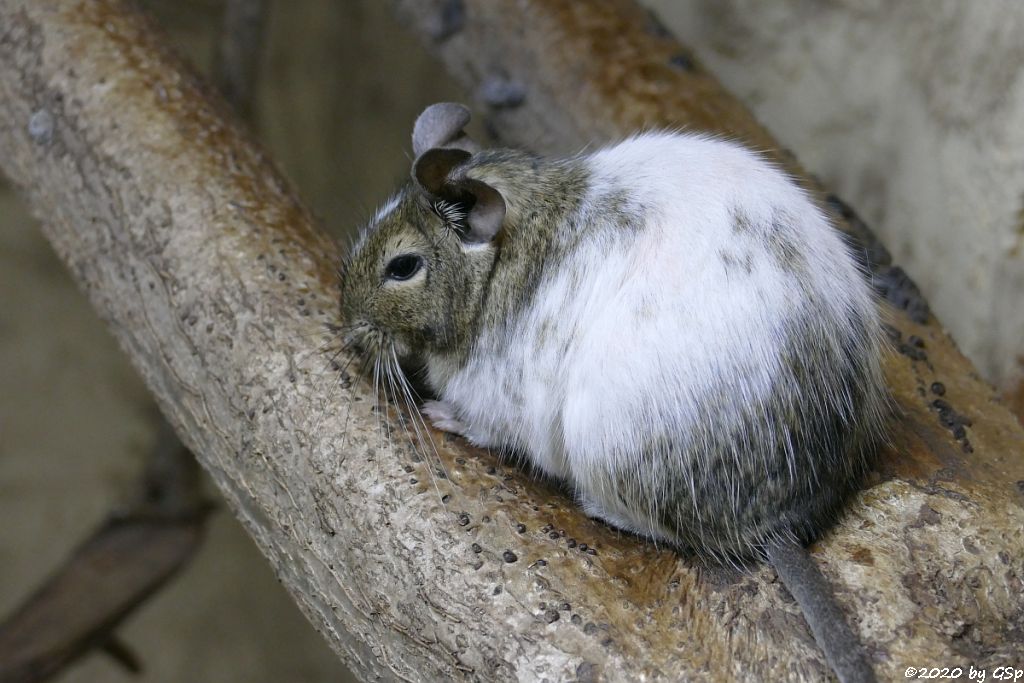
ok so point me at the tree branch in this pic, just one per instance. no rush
(112, 573)
(239, 51)
(214, 280)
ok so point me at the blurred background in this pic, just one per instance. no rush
(912, 111)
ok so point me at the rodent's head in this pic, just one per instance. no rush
(409, 277)
(413, 280)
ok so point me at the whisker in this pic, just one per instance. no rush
(410, 392)
(364, 366)
(320, 370)
(313, 330)
(402, 418)
(421, 434)
(342, 371)
(328, 363)
(324, 343)
(384, 415)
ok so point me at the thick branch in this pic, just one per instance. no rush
(214, 281)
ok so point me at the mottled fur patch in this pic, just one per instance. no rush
(785, 468)
(742, 262)
(777, 235)
(784, 245)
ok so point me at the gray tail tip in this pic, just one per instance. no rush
(841, 646)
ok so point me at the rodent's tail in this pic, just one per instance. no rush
(842, 649)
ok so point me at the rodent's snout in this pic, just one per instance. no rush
(355, 337)
(366, 339)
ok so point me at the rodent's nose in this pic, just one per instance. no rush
(354, 342)
(355, 336)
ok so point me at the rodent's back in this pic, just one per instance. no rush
(723, 388)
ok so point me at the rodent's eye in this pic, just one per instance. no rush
(403, 267)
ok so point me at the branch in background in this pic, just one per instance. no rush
(213, 277)
(239, 52)
(124, 562)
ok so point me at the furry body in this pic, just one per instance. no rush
(669, 324)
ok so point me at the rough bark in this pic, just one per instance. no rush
(215, 281)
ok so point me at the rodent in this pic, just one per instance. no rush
(668, 324)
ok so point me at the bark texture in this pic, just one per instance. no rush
(216, 283)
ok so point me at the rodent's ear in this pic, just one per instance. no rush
(440, 125)
(432, 171)
(488, 213)
(437, 173)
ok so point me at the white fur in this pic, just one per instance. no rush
(386, 208)
(925, 141)
(383, 212)
(636, 324)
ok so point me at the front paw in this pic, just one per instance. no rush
(442, 415)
